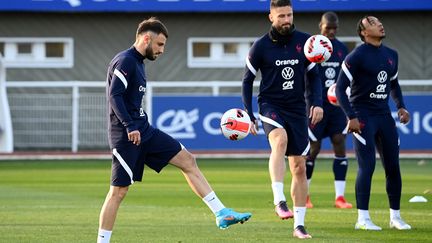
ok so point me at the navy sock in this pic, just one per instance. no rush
(340, 168)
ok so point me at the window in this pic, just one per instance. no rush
(37, 52)
(55, 49)
(201, 49)
(230, 48)
(24, 48)
(218, 52)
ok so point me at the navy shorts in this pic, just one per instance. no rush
(128, 161)
(294, 124)
(334, 122)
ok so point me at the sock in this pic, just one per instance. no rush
(340, 168)
(339, 188)
(362, 215)
(299, 215)
(213, 202)
(104, 236)
(310, 165)
(278, 194)
(394, 214)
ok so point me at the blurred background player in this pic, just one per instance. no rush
(279, 56)
(372, 72)
(334, 120)
(135, 143)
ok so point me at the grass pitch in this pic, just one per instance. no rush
(59, 201)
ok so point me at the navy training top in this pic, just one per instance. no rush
(126, 86)
(372, 73)
(286, 74)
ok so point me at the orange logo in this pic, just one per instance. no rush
(229, 218)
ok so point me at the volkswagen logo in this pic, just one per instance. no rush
(330, 73)
(287, 73)
(382, 76)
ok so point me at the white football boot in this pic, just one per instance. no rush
(399, 224)
(366, 224)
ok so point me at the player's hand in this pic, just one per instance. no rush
(254, 127)
(316, 114)
(135, 137)
(354, 126)
(404, 116)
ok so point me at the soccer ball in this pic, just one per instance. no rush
(331, 94)
(318, 48)
(235, 124)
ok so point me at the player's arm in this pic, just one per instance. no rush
(314, 93)
(251, 68)
(119, 83)
(344, 79)
(396, 94)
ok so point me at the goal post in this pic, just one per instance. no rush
(6, 132)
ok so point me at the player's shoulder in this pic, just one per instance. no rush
(339, 43)
(126, 55)
(262, 40)
(356, 56)
(300, 35)
(124, 58)
(390, 50)
(359, 51)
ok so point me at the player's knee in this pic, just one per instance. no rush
(314, 150)
(118, 193)
(299, 169)
(312, 155)
(279, 142)
(189, 162)
(338, 140)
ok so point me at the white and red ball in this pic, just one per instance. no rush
(331, 94)
(235, 124)
(318, 48)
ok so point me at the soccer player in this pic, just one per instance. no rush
(135, 143)
(334, 121)
(372, 72)
(282, 106)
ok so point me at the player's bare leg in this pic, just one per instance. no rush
(109, 212)
(299, 182)
(277, 167)
(298, 194)
(310, 165)
(185, 161)
(198, 183)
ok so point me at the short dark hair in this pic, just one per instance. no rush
(361, 27)
(280, 3)
(152, 24)
(331, 17)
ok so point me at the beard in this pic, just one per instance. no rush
(149, 54)
(284, 30)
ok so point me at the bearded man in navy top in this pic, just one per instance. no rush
(135, 143)
(286, 76)
(334, 121)
(371, 71)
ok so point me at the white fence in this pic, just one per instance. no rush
(72, 114)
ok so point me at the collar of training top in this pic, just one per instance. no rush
(136, 54)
